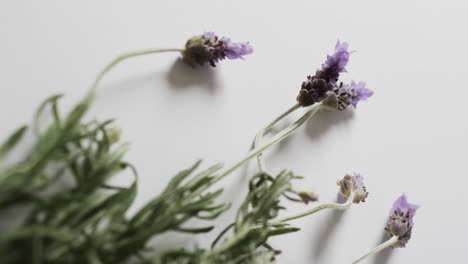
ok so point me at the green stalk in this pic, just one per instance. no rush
(274, 140)
(119, 59)
(338, 206)
(392, 241)
(263, 131)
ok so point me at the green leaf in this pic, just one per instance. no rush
(282, 231)
(195, 230)
(11, 142)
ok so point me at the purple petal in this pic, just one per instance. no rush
(237, 50)
(209, 35)
(401, 204)
(341, 54)
(341, 46)
(359, 92)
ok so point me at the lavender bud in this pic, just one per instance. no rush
(352, 183)
(307, 197)
(400, 222)
(313, 90)
(208, 48)
(114, 134)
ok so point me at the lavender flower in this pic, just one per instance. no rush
(323, 85)
(352, 183)
(209, 48)
(400, 222)
(315, 88)
(350, 94)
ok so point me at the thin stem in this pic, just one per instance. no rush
(263, 131)
(120, 58)
(342, 206)
(221, 235)
(392, 241)
(339, 206)
(274, 140)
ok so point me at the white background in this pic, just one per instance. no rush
(410, 137)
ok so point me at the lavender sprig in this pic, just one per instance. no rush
(352, 190)
(88, 223)
(399, 226)
(323, 91)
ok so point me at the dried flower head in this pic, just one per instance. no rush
(352, 184)
(209, 48)
(400, 222)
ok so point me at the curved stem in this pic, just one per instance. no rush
(263, 131)
(221, 235)
(339, 206)
(120, 58)
(275, 139)
(392, 241)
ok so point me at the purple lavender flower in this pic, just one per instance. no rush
(323, 85)
(208, 48)
(400, 222)
(352, 184)
(315, 88)
(350, 94)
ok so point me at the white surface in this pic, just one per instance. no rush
(411, 136)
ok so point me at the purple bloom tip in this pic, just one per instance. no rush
(401, 204)
(358, 92)
(336, 63)
(341, 54)
(209, 35)
(237, 50)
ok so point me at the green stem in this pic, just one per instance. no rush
(263, 131)
(392, 241)
(274, 140)
(120, 58)
(339, 206)
(221, 235)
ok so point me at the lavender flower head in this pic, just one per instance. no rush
(209, 48)
(400, 222)
(352, 184)
(323, 85)
(347, 95)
